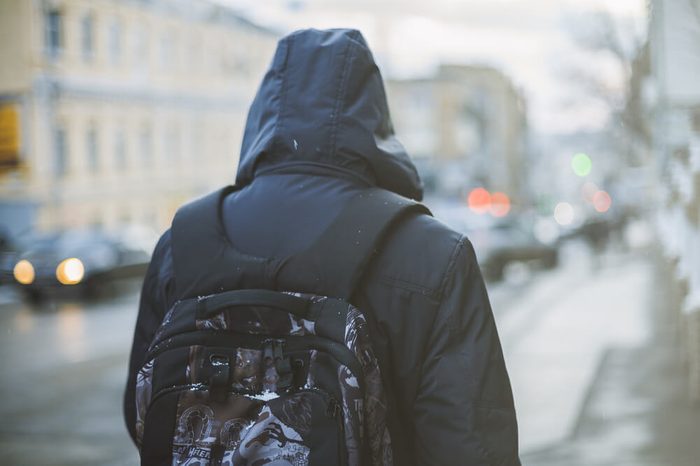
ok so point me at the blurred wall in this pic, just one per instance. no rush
(122, 110)
(674, 40)
(470, 122)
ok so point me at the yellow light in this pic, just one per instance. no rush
(70, 271)
(24, 272)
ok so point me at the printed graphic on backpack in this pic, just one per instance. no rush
(262, 377)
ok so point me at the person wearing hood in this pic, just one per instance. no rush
(318, 133)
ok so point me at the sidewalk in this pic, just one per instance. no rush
(595, 370)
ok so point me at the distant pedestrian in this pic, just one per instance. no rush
(411, 372)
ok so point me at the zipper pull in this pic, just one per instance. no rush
(268, 352)
(272, 351)
(273, 356)
(333, 410)
(277, 350)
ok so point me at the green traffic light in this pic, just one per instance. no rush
(581, 164)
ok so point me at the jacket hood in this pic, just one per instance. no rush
(322, 103)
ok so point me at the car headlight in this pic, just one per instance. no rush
(70, 271)
(24, 272)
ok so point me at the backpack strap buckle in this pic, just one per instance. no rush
(278, 369)
(219, 378)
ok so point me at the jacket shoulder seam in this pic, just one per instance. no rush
(451, 266)
(409, 286)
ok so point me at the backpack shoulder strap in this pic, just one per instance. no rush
(337, 260)
(195, 237)
(204, 260)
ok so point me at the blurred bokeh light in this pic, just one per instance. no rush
(561, 138)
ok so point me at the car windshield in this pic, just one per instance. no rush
(64, 243)
(39, 244)
(79, 239)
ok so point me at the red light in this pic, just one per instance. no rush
(500, 205)
(602, 201)
(589, 189)
(479, 200)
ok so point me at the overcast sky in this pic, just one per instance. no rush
(533, 41)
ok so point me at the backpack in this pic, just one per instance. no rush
(239, 373)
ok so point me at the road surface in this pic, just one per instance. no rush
(594, 369)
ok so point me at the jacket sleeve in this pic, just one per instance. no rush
(464, 412)
(156, 298)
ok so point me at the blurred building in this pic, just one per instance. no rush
(674, 99)
(469, 124)
(116, 111)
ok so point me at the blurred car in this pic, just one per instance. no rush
(79, 260)
(8, 257)
(498, 242)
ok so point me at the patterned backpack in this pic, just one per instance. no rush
(242, 374)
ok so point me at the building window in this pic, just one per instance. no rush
(115, 41)
(91, 149)
(124, 216)
(53, 32)
(197, 139)
(87, 39)
(60, 152)
(172, 144)
(169, 49)
(120, 150)
(195, 58)
(141, 46)
(146, 143)
(165, 51)
(150, 217)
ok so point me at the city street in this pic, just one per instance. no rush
(64, 370)
(577, 341)
(561, 138)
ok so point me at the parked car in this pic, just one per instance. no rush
(8, 257)
(79, 260)
(498, 242)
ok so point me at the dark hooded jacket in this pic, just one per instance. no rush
(318, 133)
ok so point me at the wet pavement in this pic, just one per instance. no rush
(556, 333)
(635, 408)
(591, 352)
(595, 367)
(64, 368)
